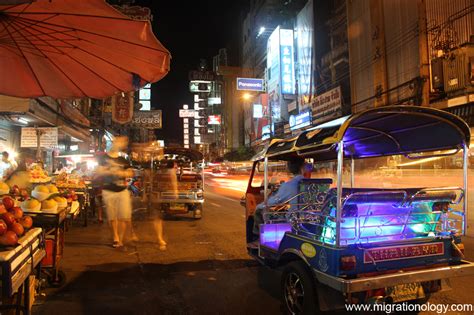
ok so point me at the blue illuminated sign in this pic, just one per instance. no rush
(287, 62)
(301, 120)
(267, 132)
(249, 84)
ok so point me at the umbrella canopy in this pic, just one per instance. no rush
(74, 49)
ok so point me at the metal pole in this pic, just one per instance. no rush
(340, 162)
(352, 172)
(465, 174)
(265, 181)
(202, 174)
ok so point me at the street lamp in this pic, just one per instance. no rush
(246, 96)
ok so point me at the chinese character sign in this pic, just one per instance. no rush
(287, 62)
(122, 108)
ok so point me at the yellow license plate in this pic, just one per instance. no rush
(178, 207)
(405, 292)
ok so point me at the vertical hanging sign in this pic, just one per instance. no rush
(287, 62)
(122, 108)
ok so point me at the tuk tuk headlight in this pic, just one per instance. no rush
(199, 195)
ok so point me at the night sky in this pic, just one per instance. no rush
(190, 30)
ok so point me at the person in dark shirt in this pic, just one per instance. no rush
(114, 170)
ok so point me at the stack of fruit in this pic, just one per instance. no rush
(38, 174)
(64, 180)
(45, 198)
(4, 189)
(12, 222)
(70, 195)
(19, 193)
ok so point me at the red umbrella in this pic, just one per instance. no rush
(73, 49)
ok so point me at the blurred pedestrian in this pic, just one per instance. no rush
(169, 182)
(6, 166)
(20, 176)
(114, 170)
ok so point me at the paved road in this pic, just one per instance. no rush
(205, 270)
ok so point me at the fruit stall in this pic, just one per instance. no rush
(21, 251)
(49, 209)
(74, 188)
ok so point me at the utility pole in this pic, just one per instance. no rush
(424, 56)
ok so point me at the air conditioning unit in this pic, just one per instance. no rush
(458, 71)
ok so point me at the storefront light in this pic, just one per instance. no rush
(22, 120)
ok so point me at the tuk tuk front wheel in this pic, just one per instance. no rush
(197, 214)
(298, 290)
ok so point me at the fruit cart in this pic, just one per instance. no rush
(74, 188)
(18, 266)
(54, 226)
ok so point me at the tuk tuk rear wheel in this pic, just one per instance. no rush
(298, 290)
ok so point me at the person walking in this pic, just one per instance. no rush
(113, 171)
(6, 166)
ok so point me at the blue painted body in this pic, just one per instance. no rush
(327, 258)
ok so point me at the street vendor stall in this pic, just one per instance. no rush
(19, 265)
(49, 209)
(46, 207)
(21, 251)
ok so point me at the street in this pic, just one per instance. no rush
(205, 269)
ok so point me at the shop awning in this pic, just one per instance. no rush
(42, 112)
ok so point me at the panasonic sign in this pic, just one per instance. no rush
(250, 84)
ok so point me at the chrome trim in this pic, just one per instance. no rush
(352, 172)
(465, 184)
(387, 280)
(340, 162)
(265, 181)
(408, 156)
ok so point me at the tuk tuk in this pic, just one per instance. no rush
(345, 239)
(185, 194)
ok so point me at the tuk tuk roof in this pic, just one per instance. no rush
(381, 131)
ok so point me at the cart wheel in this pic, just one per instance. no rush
(298, 291)
(59, 282)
